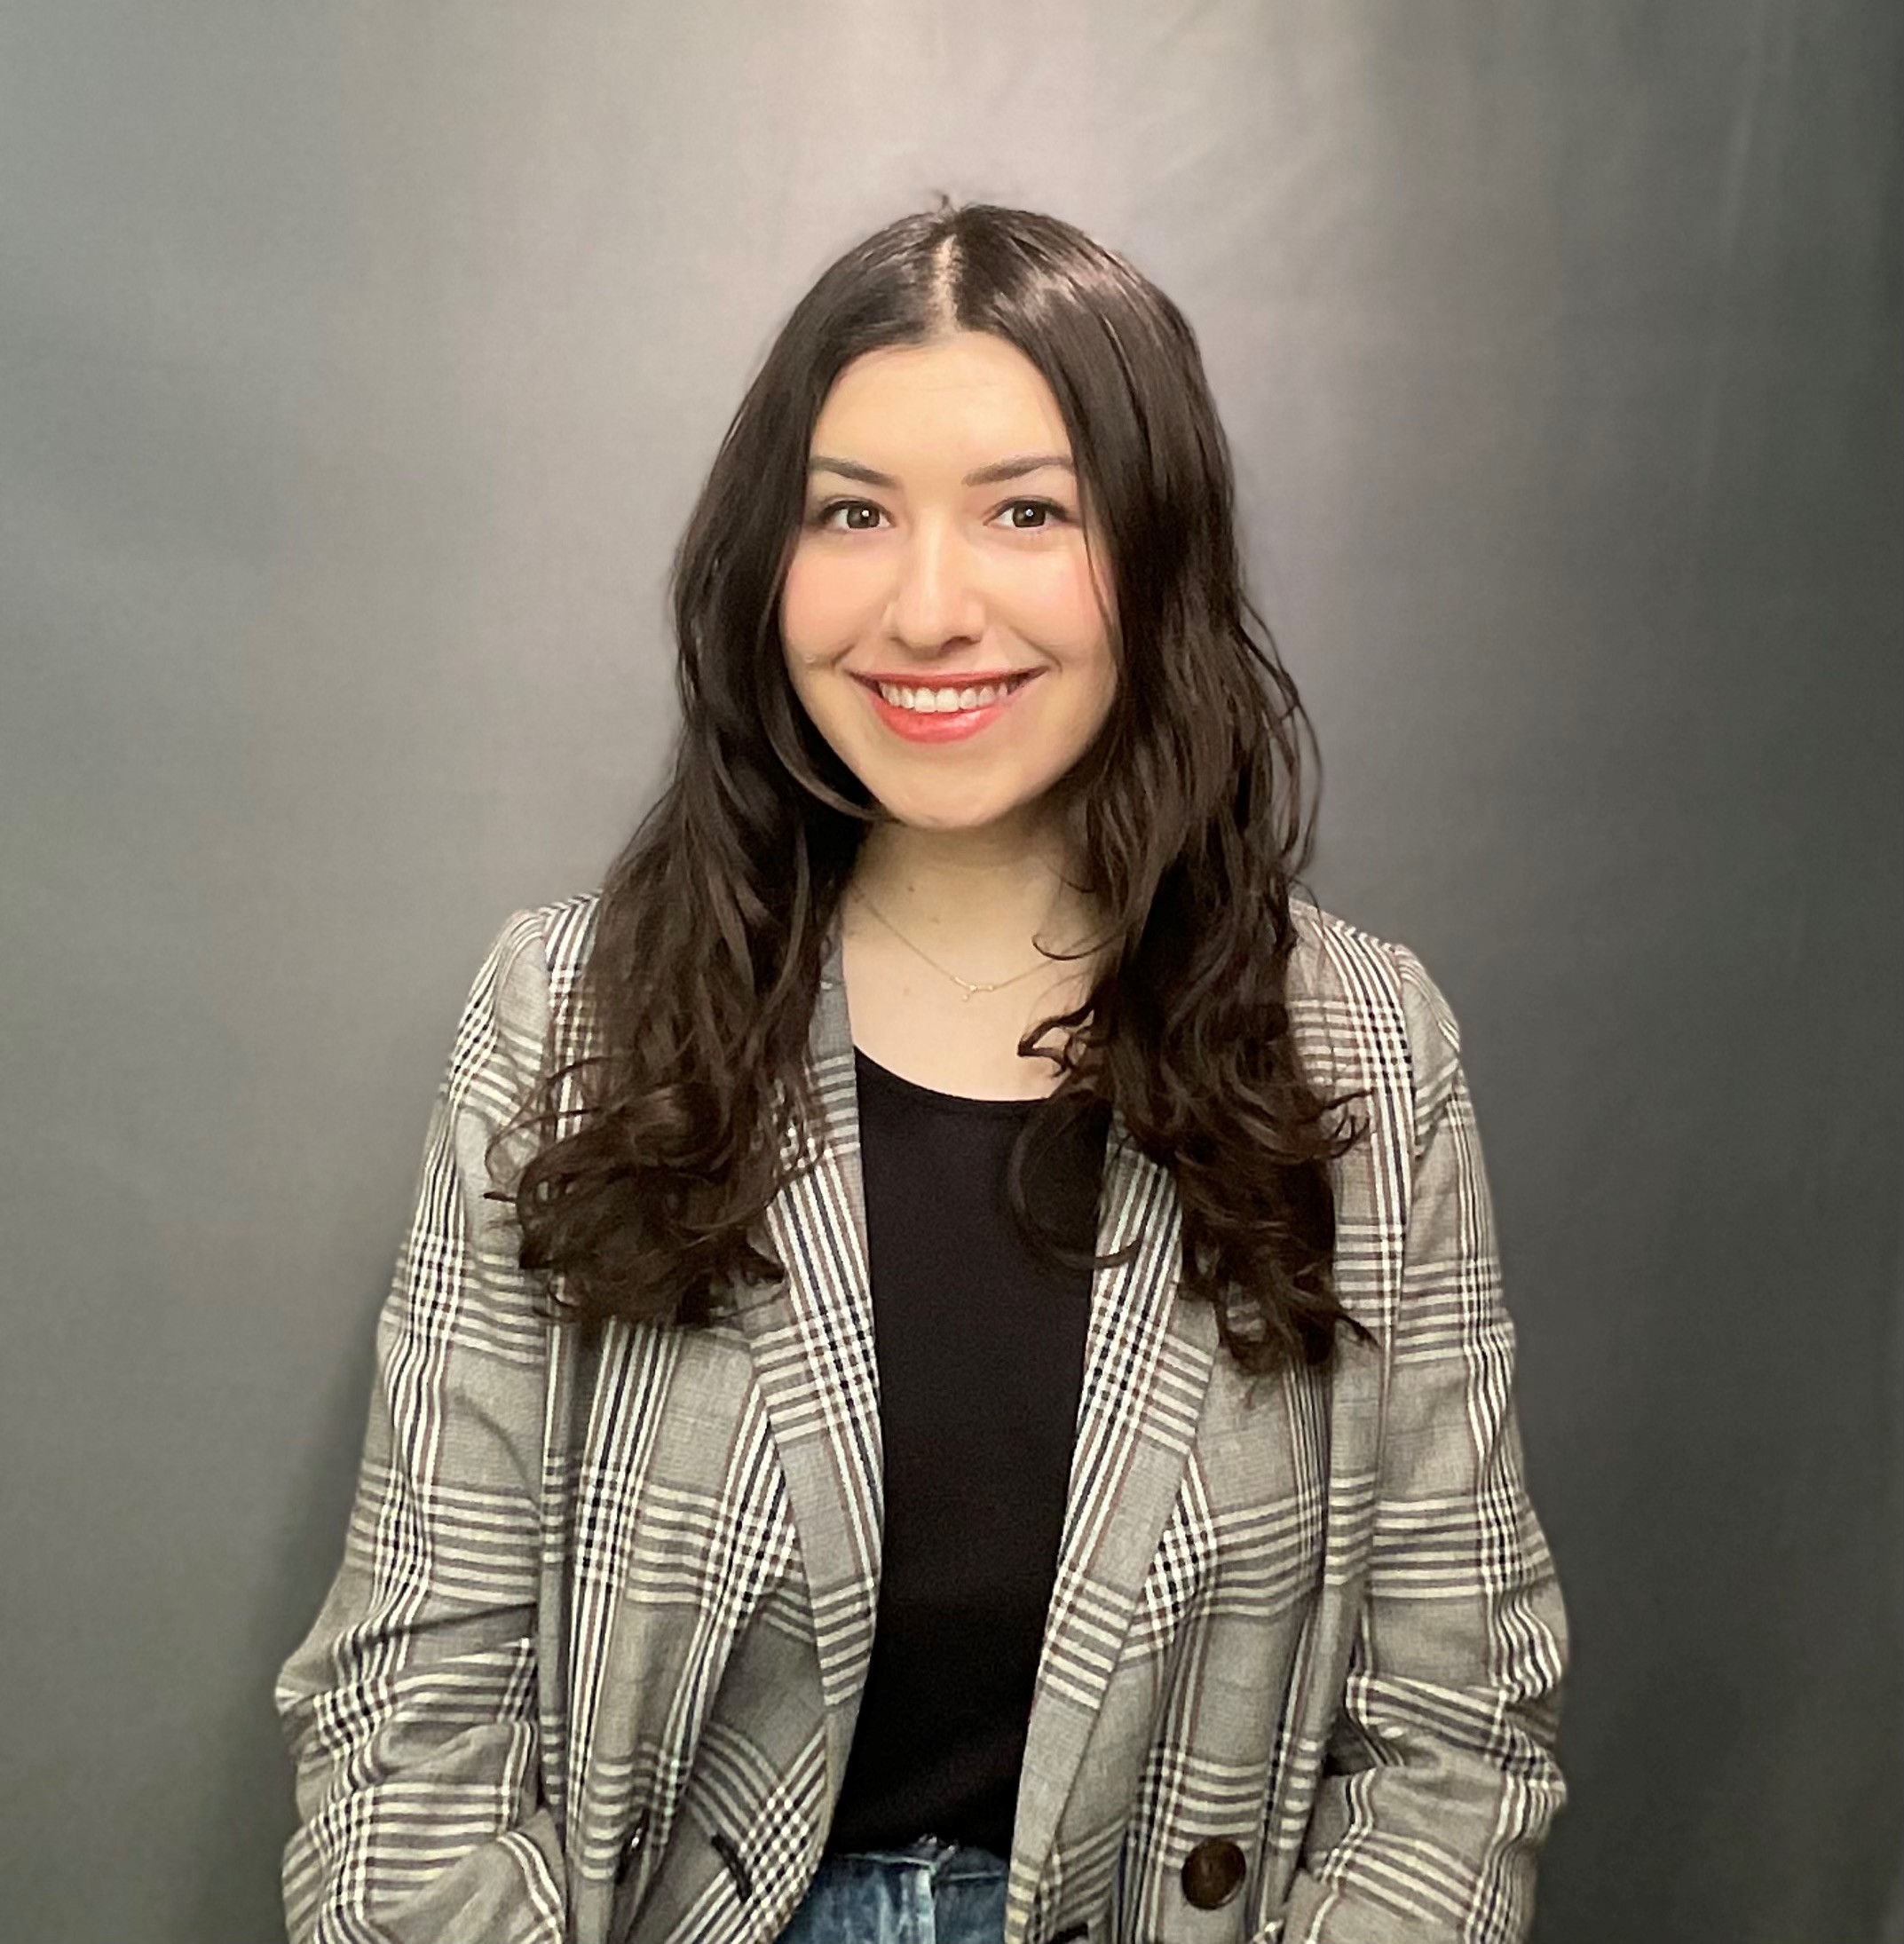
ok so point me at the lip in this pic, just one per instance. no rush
(953, 725)
(978, 679)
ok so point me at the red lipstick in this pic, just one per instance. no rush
(945, 726)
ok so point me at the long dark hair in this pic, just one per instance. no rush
(1187, 817)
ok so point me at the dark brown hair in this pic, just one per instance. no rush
(1186, 817)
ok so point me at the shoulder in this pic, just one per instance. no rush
(524, 993)
(545, 946)
(565, 931)
(1362, 1004)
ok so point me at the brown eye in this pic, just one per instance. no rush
(825, 517)
(1052, 511)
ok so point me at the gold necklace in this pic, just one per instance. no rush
(967, 987)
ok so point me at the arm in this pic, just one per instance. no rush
(1441, 1781)
(410, 1708)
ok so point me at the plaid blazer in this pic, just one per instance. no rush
(589, 1668)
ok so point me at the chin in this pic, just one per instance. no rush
(917, 812)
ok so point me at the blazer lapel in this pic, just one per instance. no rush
(1148, 1361)
(811, 1336)
(1146, 1366)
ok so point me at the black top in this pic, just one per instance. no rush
(980, 1345)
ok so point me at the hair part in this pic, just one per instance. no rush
(1188, 817)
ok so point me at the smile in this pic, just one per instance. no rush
(945, 700)
(939, 712)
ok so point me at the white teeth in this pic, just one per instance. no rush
(942, 701)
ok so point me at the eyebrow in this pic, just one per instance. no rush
(1003, 469)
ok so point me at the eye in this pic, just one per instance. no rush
(823, 516)
(1057, 514)
(1048, 513)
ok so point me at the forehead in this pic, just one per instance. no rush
(963, 396)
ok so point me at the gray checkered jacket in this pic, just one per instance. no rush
(589, 1668)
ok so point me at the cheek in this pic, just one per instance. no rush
(817, 605)
(1066, 601)
(794, 601)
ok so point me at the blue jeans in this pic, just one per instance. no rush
(928, 1892)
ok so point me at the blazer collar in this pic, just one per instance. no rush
(1147, 1364)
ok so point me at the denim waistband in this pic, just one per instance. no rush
(949, 1862)
(928, 1892)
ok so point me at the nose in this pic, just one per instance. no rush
(936, 597)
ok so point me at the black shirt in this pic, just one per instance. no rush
(980, 1344)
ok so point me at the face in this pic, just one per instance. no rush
(942, 552)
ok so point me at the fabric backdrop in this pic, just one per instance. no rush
(357, 366)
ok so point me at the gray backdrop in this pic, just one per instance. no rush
(356, 369)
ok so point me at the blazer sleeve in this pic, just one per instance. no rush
(1441, 1783)
(410, 1708)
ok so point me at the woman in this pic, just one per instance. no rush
(949, 1377)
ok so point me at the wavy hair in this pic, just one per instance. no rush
(1186, 818)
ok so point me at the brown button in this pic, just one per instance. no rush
(1214, 1873)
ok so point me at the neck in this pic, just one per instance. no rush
(970, 898)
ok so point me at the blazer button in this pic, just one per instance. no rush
(1214, 1873)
